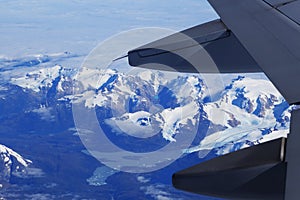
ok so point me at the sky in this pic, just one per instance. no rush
(77, 26)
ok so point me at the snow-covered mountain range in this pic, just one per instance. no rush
(249, 110)
(36, 104)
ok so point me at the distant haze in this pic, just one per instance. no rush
(45, 27)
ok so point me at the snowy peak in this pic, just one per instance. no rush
(249, 111)
(7, 153)
(11, 163)
(254, 96)
(38, 79)
(93, 78)
(44, 78)
(112, 87)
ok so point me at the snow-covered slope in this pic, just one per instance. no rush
(143, 103)
(11, 163)
(249, 111)
(42, 78)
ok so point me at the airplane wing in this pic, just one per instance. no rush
(214, 37)
(251, 36)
